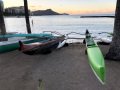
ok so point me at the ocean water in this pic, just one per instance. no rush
(62, 23)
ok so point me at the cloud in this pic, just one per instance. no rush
(34, 7)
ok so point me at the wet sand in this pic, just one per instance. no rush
(64, 69)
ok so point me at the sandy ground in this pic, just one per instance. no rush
(64, 69)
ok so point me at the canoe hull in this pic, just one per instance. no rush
(96, 61)
(105, 41)
(42, 35)
(15, 45)
(61, 44)
(42, 50)
(41, 47)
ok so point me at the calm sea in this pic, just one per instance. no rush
(63, 24)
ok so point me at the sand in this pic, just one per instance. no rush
(64, 69)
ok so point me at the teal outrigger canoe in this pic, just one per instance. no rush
(26, 35)
(96, 59)
(10, 45)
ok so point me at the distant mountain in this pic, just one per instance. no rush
(46, 12)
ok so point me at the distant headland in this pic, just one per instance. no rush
(46, 12)
(19, 11)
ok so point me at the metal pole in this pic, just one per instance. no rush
(27, 16)
(2, 23)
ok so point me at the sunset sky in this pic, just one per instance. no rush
(68, 6)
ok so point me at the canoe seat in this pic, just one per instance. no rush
(90, 42)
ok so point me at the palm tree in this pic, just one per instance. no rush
(27, 16)
(2, 23)
(114, 51)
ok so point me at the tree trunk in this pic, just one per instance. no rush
(114, 51)
(27, 16)
(2, 23)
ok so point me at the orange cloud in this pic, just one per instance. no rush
(33, 8)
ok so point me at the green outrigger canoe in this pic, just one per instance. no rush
(96, 59)
(10, 45)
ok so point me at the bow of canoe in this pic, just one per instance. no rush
(96, 61)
